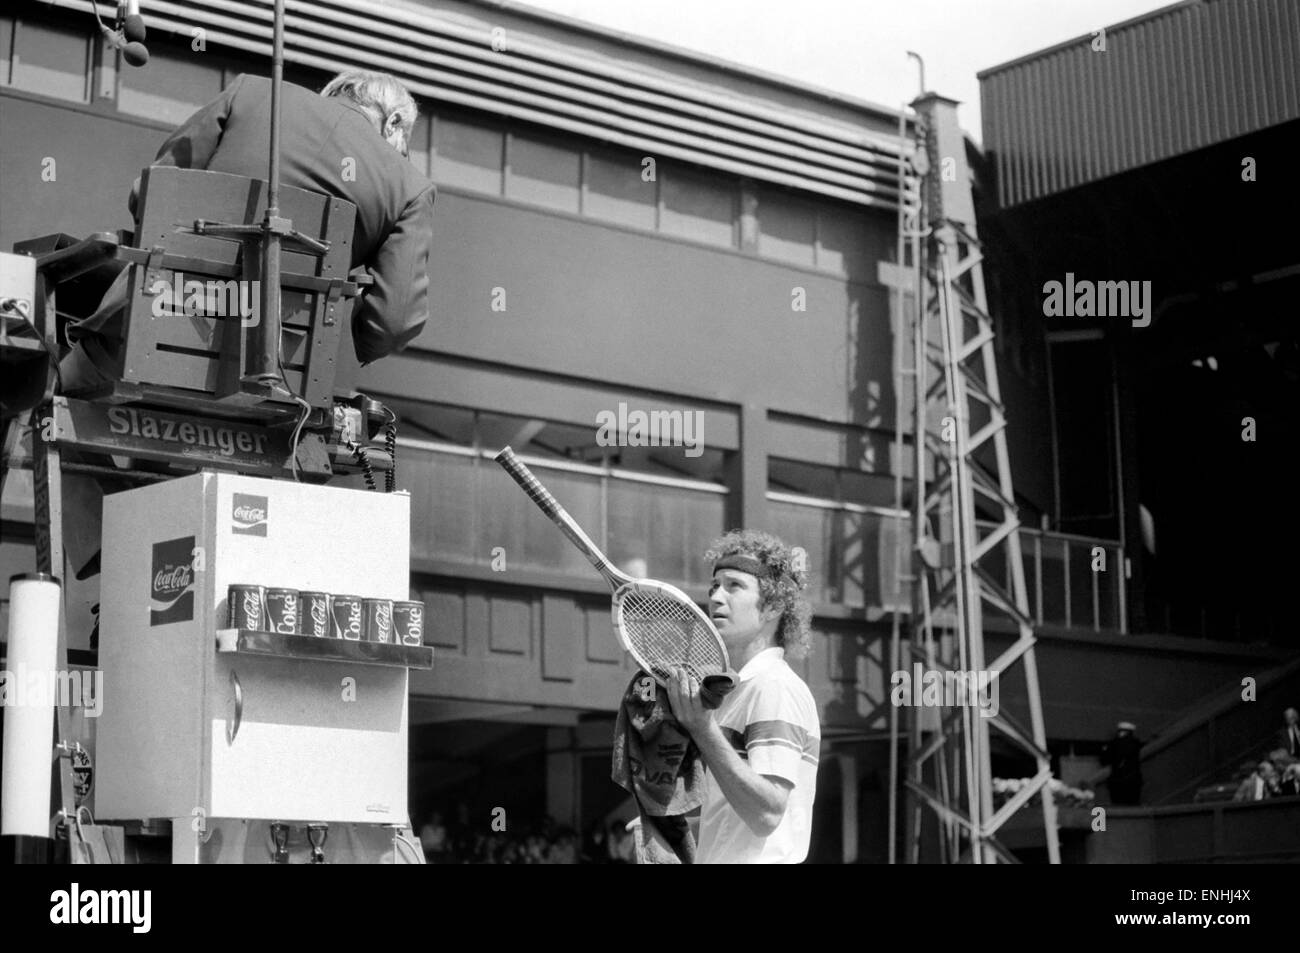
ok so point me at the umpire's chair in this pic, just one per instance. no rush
(189, 357)
(193, 274)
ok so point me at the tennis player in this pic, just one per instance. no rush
(761, 745)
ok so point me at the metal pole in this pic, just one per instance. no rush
(901, 532)
(266, 359)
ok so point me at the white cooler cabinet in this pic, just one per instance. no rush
(318, 740)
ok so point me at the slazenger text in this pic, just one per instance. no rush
(125, 420)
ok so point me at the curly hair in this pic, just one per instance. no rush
(783, 589)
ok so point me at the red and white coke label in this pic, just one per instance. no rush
(315, 614)
(282, 611)
(252, 604)
(171, 596)
(347, 618)
(408, 623)
(246, 608)
(248, 515)
(379, 620)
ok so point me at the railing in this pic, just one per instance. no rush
(851, 562)
(1075, 581)
(464, 508)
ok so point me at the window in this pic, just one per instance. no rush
(791, 476)
(543, 174)
(51, 60)
(667, 529)
(617, 193)
(467, 155)
(1082, 397)
(699, 207)
(459, 499)
(787, 229)
(170, 88)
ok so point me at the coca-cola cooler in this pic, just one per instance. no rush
(203, 724)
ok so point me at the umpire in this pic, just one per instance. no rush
(350, 142)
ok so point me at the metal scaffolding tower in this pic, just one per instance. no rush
(961, 553)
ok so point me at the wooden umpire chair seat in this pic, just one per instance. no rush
(188, 350)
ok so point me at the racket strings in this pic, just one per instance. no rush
(668, 634)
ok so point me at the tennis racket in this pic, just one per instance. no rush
(660, 626)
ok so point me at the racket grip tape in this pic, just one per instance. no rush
(551, 507)
(529, 483)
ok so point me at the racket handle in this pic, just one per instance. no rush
(529, 483)
(551, 507)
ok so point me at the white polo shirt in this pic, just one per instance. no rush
(771, 720)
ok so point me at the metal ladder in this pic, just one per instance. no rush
(958, 435)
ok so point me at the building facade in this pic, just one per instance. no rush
(659, 278)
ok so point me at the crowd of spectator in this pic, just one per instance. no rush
(1277, 775)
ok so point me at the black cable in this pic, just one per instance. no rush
(390, 444)
(359, 452)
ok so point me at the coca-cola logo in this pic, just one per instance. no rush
(253, 607)
(248, 515)
(172, 596)
(409, 620)
(384, 614)
(173, 580)
(288, 622)
(319, 614)
(351, 628)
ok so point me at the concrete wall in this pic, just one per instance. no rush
(96, 156)
(648, 311)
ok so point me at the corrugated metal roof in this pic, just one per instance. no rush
(1175, 80)
(566, 88)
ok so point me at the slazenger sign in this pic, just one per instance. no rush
(157, 433)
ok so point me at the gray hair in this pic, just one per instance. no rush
(379, 94)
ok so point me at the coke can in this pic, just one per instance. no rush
(247, 607)
(408, 623)
(345, 613)
(379, 620)
(314, 614)
(282, 611)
